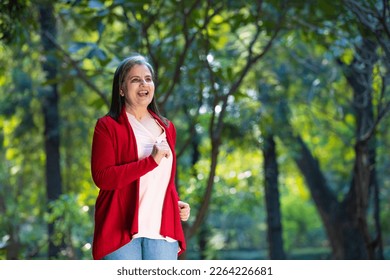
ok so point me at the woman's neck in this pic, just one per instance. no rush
(138, 113)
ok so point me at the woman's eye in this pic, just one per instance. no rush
(136, 80)
(148, 80)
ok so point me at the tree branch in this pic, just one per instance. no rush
(215, 129)
(80, 73)
(188, 41)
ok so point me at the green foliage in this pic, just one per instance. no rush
(22, 196)
(199, 50)
(73, 224)
(301, 223)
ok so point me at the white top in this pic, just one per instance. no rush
(153, 185)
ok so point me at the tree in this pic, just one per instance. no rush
(49, 95)
(223, 69)
(346, 220)
(222, 89)
(271, 186)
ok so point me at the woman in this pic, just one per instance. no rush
(138, 213)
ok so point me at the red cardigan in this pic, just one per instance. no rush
(116, 171)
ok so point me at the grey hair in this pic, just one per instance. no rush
(118, 101)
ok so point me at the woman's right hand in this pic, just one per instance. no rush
(160, 150)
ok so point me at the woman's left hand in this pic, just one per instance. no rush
(185, 210)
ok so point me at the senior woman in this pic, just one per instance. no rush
(138, 213)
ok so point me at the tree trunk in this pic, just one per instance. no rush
(204, 235)
(364, 182)
(274, 232)
(217, 120)
(339, 219)
(51, 115)
(346, 221)
(203, 210)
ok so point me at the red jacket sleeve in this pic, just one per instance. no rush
(109, 171)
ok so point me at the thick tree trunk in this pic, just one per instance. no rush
(339, 219)
(51, 115)
(346, 221)
(274, 233)
(364, 182)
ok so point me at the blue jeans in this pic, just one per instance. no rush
(143, 248)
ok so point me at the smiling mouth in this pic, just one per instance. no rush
(143, 93)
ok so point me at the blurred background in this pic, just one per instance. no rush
(281, 109)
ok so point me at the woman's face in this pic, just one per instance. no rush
(138, 88)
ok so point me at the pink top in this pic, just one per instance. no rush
(153, 185)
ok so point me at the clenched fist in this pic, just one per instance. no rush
(185, 210)
(160, 150)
